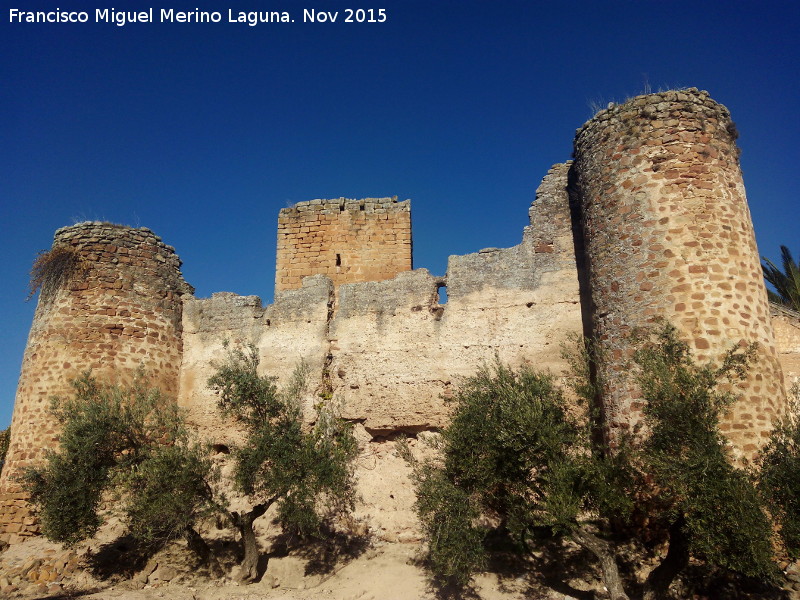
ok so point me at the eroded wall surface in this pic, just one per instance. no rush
(292, 329)
(397, 352)
(786, 325)
(388, 350)
(668, 235)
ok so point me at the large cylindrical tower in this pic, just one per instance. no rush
(668, 234)
(111, 301)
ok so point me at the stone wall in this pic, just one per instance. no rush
(396, 352)
(649, 221)
(347, 240)
(388, 349)
(786, 325)
(668, 234)
(292, 329)
(117, 310)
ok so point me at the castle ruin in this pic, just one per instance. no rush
(650, 220)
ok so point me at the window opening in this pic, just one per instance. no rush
(338, 260)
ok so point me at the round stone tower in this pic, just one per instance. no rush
(667, 234)
(112, 303)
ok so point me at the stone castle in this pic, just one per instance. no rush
(649, 220)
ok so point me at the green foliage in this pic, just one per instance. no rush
(512, 455)
(515, 458)
(128, 440)
(786, 280)
(685, 462)
(168, 493)
(307, 470)
(779, 480)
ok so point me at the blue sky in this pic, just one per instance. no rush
(203, 132)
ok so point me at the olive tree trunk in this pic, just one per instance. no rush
(608, 561)
(660, 578)
(248, 569)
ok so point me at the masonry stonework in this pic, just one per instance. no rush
(650, 220)
(119, 309)
(668, 234)
(347, 240)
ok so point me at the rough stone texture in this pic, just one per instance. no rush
(291, 330)
(396, 352)
(786, 325)
(347, 240)
(668, 234)
(118, 310)
(655, 224)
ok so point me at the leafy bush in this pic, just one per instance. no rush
(709, 506)
(128, 441)
(779, 479)
(515, 457)
(306, 471)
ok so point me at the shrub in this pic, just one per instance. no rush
(129, 442)
(306, 471)
(52, 268)
(779, 477)
(514, 456)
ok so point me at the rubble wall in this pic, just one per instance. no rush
(397, 352)
(786, 325)
(388, 350)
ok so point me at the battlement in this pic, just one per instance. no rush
(347, 240)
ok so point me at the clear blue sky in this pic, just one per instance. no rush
(203, 132)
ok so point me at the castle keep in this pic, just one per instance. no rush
(650, 220)
(347, 240)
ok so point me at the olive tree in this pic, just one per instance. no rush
(128, 444)
(515, 455)
(307, 470)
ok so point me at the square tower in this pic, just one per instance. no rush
(347, 240)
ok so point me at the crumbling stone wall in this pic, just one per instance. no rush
(347, 240)
(388, 350)
(396, 352)
(668, 234)
(119, 309)
(292, 329)
(651, 219)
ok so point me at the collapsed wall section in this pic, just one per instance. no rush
(114, 306)
(346, 240)
(667, 234)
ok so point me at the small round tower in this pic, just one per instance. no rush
(668, 234)
(110, 301)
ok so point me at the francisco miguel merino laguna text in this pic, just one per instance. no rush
(170, 15)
